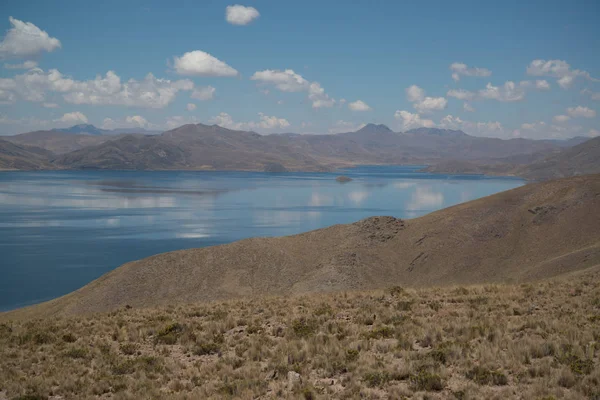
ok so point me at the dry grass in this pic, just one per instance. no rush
(534, 341)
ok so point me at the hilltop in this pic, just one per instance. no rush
(529, 233)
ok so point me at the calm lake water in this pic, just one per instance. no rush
(60, 230)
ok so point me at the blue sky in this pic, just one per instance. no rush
(526, 69)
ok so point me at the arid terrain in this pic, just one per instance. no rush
(530, 341)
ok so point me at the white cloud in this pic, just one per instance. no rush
(467, 107)
(558, 69)
(461, 94)
(342, 126)
(190, 107)
(593, 133)
(266, 122)
(151, 92)
(50, 105)
(430, 104)
(133, 121)
(459, 69)
(561, 118)
(240, 15)
(414, 93)
(593, 95)
(359, 105)
(200, 63)
(507, 93)
(410, 121)
(176, 121)
(290, 81)
(137, 121)
(24, 65)
(73, 118)
(286, 81)
(203, 93)
(490, 128)
(25, 39)
(422, 104)
(424, 198)
(538, 84)
(580, 111)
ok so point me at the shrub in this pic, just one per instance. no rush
(484, 376)
(128, 348)
(376, 379)
(169, 334)
(427, 381)
(69, 338)
(76, 353)
(303, 328)
(381, 332)
(206, 349)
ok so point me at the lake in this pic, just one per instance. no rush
(60, 230)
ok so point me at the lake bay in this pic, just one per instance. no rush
(60, 230)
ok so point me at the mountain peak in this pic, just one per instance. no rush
(374, 128)
(83, 128)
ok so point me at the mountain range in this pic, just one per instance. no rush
(212, 147)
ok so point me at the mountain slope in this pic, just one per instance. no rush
(532, 232)
(57, 142)
(581, 159)
(19, 157)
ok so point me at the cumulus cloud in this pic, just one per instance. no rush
(538, 84)
(266, 122)
(190, 107)
(581, 112)
(133, 121)
(50, 105)
(23, 65)
(150, 92)
(423, 104)
(289, 81)
(461, 94)
(543, 130)
(240, 15)
(475, 128)
(410, 121)
(558, 69)
(459, 69)
(593, 95)
(507, 93)
(467, 107)
(200, 63)
(203, 93)
(341, 126)
(73, 118)
(561, 118)
(25, 39)
(359, 105)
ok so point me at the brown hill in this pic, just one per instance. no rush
(20, 157)
(532, 232)
(57, 142)
(581, 159)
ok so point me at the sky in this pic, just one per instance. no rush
(500, 69)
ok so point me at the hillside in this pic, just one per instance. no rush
(57, 142)
(532, 341)
(581, 159)
(19, 157)
(532, 232)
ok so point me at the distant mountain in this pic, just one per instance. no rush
(581, 159)
(199, 146)
(56, 141)
(84, 129)
(19, 157)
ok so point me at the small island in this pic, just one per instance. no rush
(343, 179)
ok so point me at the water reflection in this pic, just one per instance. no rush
(87, 223)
